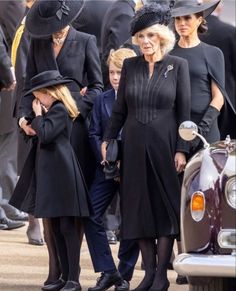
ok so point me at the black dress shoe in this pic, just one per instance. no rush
(124, 286)
(181, 280)
(55, 286)
(11, 224)
(71, 286)
(106, 281)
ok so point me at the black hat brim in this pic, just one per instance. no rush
(206, 8)
(48, 84)
(39, 27)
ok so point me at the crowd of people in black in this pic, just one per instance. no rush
(92, 95)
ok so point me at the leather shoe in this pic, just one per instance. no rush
(111, 237)
(71, 286)
(181, 280)
(124, 286)
(34, 241)
(55, 286)
(3, 226)
(11, 224)
(106, 281)
(14, 213)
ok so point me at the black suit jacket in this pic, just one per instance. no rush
(11, 12)
(5, 63)
(115, 30)
(222, 35)
(6, 78)
(90, 18)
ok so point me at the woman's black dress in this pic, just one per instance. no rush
(150, 109)
(206, 63)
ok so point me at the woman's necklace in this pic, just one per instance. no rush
(60, 40)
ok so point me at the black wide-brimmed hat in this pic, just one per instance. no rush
(47, 79)
(187, 7)
(47, 17)
(149, 15)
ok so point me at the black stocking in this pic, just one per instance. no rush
(164, 251)
(148, 251)
(54, 263)
(67, 241)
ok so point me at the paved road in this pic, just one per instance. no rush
(23, 267)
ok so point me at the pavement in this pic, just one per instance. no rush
(24, 267)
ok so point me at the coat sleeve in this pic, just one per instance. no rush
(183, 94)
(216, 68)
(94, 76)
(49, 126)
(95, 129)
(119, 111)
(6, 77)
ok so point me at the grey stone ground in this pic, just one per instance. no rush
(23, 267)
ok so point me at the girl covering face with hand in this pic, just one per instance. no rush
(57, 188)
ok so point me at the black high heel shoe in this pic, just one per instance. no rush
(164, 288)
(145, 286)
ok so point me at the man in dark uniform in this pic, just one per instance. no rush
(222, 35)
(115, 31)
(10, 14)
(90, 19)
(7, 84)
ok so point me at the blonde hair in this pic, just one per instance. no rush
(138, 5)
(118, 56)
(62, 93)
(166, 35)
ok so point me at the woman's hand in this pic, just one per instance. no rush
(27, 128)
(37, 107)
(180, 162)
(104, 152)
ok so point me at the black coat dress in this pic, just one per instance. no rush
(56, 187)
(150, 111)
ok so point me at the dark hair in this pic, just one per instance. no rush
(203, 26)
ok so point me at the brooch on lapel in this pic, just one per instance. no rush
(169, 68)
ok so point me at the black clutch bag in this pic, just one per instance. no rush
(111, 169)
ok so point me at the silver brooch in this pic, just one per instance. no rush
(169, 68)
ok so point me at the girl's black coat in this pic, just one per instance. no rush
(52, 184)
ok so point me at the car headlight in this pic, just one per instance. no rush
(230, 192)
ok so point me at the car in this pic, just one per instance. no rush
(208, 215)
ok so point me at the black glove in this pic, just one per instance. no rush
(111, 169)
(204, 125)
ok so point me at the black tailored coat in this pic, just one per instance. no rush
(222, 35)
(56, 187)
(11, 12)
(78, 59)
(115, 31)
(6, 79)
(150, 111)
(91, 17)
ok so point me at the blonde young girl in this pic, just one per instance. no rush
(57, 189)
